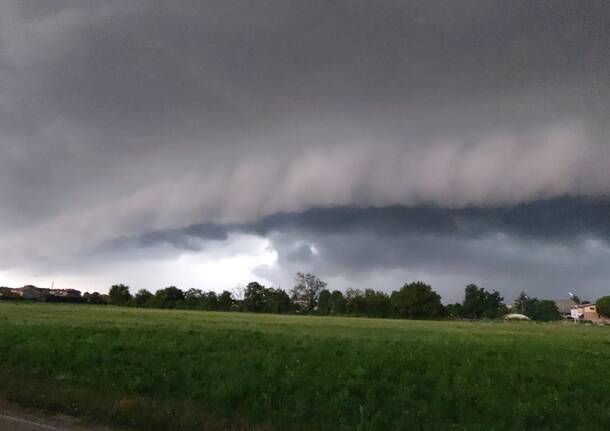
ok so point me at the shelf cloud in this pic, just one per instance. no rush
(340, 134)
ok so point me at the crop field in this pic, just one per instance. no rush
(186, 370)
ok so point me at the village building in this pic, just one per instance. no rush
(587, 312)
(31, 292)
(66, 293)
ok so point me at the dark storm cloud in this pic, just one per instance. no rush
(546, 247)
(392, 102)
(559, 220)
(132, 119)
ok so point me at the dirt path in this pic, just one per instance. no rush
(15, 418)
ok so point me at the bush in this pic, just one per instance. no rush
(542, 310)
(603, 306)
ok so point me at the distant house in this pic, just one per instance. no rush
(588, 312)
(41, 294)
(66, 293)
(6, 293)
(31, 292)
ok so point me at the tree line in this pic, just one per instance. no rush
(310, 295)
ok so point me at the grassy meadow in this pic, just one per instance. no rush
(187, 370)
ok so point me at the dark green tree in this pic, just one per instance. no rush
(417, 301)
(603, 306)
(480, 303)
(94, 298)
(377, 303)
(256, 298)
(278, 301)
(119, 295)
(170, 297)
(355, 303)
(143, 298)
(454, 310)
(194, 299)
(210, 301)
(261, 299)
(225, 301)
(542, 310)
(337, 302)
(324, 303)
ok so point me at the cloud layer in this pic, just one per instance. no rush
(127, 119)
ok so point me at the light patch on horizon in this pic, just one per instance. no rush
(227, 265)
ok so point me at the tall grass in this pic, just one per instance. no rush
(181, 370)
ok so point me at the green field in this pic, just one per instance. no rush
(182, 370)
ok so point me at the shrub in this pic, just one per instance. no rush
(603, 306)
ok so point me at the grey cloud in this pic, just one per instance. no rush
(507, 264)
(558, 220)
(329, 103)
(545, 247)
(132, 119)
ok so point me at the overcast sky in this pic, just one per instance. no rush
(206, 144)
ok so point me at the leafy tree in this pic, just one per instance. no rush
(543, 310)
(337, 302)
(143, 297)
(210, 301)
(455, 310)
(260, 299)
(119, 295)
(256, 298)
(225, 301)
(94, 298)
(369, 303)
(603, 306)
(478, 303)
(307, 290)
(354, 302)
(377, 303)
(495, 307)
(194, 299)
(324, 302)
(168, 297)
(417, 301)
(279, 301)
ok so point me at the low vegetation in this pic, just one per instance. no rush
(310, 295)
(182, 370)
(603, 306)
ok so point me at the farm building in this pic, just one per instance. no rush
(588, 312)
